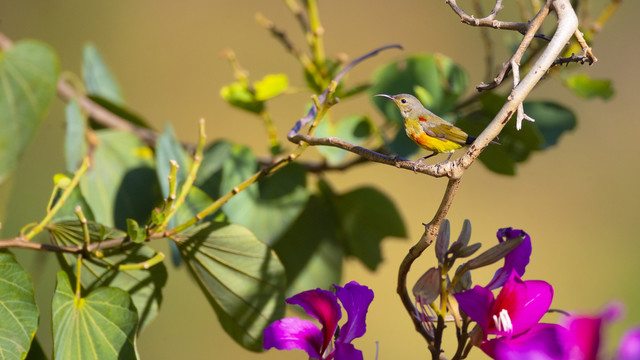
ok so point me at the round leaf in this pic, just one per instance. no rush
(144, 285)
(353, 129)
(28, 75)
(120, 183)
(18, 310)
(99, 326)
(586, 87)
(242, 278)
(367, 216)
(269, 207)
(97, 77)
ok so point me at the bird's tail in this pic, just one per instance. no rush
(471, 139)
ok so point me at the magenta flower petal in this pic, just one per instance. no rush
(355, 299)
(629, 348)
(345, 351)
(517, 259)
(322, 305)
(477, 303)
(585, 331)
(525, 301)
(541, 342)
(583, 338)
(294, 333)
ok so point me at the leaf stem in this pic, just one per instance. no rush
(145, 265)
(63, 198)
(186, 187)
(87, 239)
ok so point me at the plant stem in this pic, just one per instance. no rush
(65, 195)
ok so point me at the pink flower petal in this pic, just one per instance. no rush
(322, 305)
(294, 333)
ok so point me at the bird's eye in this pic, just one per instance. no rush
(404, 101)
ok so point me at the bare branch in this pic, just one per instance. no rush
(435, 170)
(533, 27)
(567, 25)
(488, 21)
(585, 47)
(102, 115)
(572, 59)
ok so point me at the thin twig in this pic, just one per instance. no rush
(104, 116)
(572, 59)
(489, 21)
(533, 27)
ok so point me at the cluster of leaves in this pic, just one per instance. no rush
(265, 242)
(288, 233)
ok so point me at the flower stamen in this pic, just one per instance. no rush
(503, 322)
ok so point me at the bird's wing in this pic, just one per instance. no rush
(445, 131)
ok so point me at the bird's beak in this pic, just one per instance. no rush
(385, 95)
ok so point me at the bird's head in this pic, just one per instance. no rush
(407, 104)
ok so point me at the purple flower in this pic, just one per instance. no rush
(294, 333)
(629, 348)
(512, 319)
(584, 337)
(517, 259)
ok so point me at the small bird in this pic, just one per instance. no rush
(427, 129)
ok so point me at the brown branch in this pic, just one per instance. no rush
(530, 33)
(567, 25)
(488, 21)
(102, 115)
(278, 34)
(572, 59)
(429, 236)
(21, 243)
(435, 170)
(585, 47)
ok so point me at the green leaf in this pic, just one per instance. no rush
(121, 183)
(101, 325)
(586, 87)
(75, 144)
(195, 202)
(367, 216)
(168, 148)
(552, 120)
(238, 94)
(270, 86)
(354, 129)
(97, 76)
(67, 211)
(241, 276)
(311, 250)
(18, 310)
(135, 233)
(144, 285)
(515, 146)
(210, 172)
(269, 207)
(28, 74)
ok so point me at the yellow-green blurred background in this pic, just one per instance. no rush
(578, 200)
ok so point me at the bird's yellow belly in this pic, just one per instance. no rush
(431, 143)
